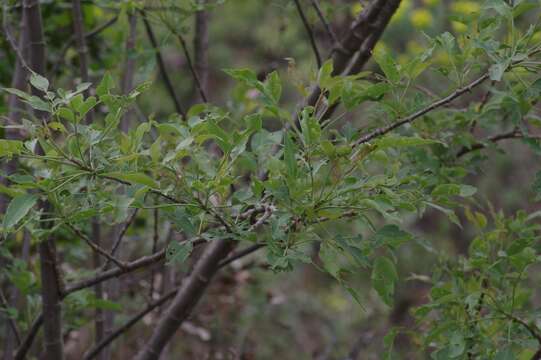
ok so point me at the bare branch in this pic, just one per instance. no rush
(11, 322)
(187, 297)
(119, 238)
(200, 46)
(78, 27)
(129, 267)
(71, 40)
(129, 67)
(310, 33)
(513, 134)
(161, 64)
(26, 344)
(96, 247)
(90, 354)
(240, 254)
(12, 42)
(191, 67)
(328, 28)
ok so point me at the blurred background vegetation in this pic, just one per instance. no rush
(302, 314)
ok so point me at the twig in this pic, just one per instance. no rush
(384, 130)
(309, 32)
(82, 50)
(11, 322)
(26, 344)
(201, 46)
(328, 28)
(129, 68)
(96, 247)
(161, 64)
(484, 101)
(71, 40)
(11, 40)
(155, 239)
(513, 134)
(119, 238)
(129, 267)
(191, 67)
(90, 354)
(239, 254)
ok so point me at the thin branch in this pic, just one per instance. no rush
(310, 33)
(129, 267)
(11, 322)
(90, 354)
(96, 247)
(201, 46)
(190, 292)
(240, 254)
(26, 344)
(129, 68)
(155, 239)
(82, 50)
(191, 67)
(442, 102)
(484, 101)
(457, 93)
(19, 80)
(161, 64)
(9, 37)
(86, 283)
(513, 134)
(88, 36)
(119, 238)
(328, 28)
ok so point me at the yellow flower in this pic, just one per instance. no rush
(459, 27)
(465, 7)
(356, 9)
(421, 18)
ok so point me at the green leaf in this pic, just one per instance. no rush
(245, 76)
(18, 93)
(38, 104)
(325, 74)
(273, 87)
(178, 252)
(391, 236)
(134, 178)
(17, 209)
(393, 141)
(496, 71)
(384, 277)
(457, 345)
(106, 85)
(328, 148)
(330, 257)
(388, 342)
(454, 190)
(88, 104)
(66, 113)
(39, 82)
(10, 147)
(387, 65)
